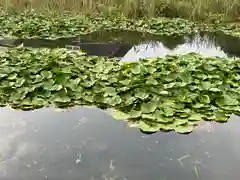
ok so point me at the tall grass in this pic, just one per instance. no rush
(190, 9)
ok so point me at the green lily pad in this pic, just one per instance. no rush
(62, 99)
(118, 115)
(152, 81)
(47, 74)
(135, 114)
(148, 107)
(136, 69)
(195, 117)
(145, 127)
(221, 116)
(113, 101)
(184, 129)
(141, 95)
(109, 91)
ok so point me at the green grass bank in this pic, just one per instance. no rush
(189, 9)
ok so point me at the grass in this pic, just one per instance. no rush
(190, 9)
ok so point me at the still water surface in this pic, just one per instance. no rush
(87, 144)
(132, 46)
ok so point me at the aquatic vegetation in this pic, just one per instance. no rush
(232, 29)
(170, 93)
(190, 9)
(31, 24)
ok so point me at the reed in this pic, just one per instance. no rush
(190, 9)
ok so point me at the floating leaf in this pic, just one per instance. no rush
(151, 81)
(145, 127)
(204, 99)
(166, 127)
(159, 115)
(19, 82)
(151, 70)
(163, 92)
(46, 74)
(198, 105)
(184, 129)
(88, 83)
(194, 123)
(214, 90)
(62, 99)
(169, 85)
(118, 115)
(48, 84)
(209, 67)
(109, 91)
(135, 114)
(39, 102)
(12, 76)
(141, 95)
(168, 111)
(73, 84)
(128, 99)
(148, 107)
(206, 85)
(227, 100)
(125, 82)
(89, 98)
(195, 117)
(19, 95)
(180, 121)
(221, 116)
(56, 87)
(186, 77)
(113, 101)
(136, 69)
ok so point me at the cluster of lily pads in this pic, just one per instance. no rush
(30, 24)
(171, 93)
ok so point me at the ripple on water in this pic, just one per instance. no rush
(85, 143)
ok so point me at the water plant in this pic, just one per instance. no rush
(31, 24)
(190, 9)
(170, 93)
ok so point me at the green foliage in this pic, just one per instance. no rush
(213, 10)
(31, 24)
(184, 90)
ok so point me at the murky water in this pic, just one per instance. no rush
(87, 144)
(132, 46)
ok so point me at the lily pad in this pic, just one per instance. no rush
(118, 115)
(145, 127)
(184, 129)
(149, 107)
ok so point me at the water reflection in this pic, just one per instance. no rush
(197, 43)
(83, 143)
(133, 46)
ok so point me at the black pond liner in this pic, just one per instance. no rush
(132, 46)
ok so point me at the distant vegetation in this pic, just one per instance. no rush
(191, 9)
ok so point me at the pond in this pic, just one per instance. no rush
(132, 46)
(86, 143)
